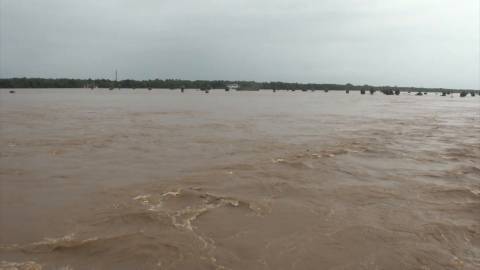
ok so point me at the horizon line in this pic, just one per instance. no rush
(233, 81)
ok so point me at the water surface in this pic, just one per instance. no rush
(138, 179)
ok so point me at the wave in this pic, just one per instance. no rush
(30, 265)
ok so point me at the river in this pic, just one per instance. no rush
(139, 179)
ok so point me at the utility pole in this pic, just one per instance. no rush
(116, 79)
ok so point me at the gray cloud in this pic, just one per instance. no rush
(432, 43)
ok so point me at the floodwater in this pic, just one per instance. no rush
(138, 179)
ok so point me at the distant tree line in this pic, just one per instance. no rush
(198, 84)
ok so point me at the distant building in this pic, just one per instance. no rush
(233, 86)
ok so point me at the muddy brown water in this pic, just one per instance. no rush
(138, 179)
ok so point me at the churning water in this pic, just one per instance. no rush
(138, 179)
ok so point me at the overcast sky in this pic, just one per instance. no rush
(431, 43)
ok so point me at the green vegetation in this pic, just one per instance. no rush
(199, 84)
